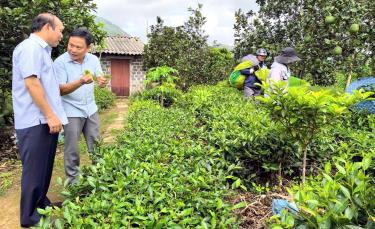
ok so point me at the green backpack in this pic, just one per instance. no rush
(237, 80)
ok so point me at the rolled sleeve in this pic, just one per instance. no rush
(32, 61)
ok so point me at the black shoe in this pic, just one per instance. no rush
(29, 226)
(45, 203)
(57, 204)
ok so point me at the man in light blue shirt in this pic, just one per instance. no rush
(76, 69)
(38, 113)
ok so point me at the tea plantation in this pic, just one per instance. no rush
(178, 166)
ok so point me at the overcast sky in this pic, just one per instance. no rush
(133, 16)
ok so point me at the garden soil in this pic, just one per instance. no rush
(258, 208)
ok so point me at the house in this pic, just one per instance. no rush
(122, 59)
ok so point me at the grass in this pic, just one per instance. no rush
(9, 170)
(6, 181)
(108, 115)
(106, 119)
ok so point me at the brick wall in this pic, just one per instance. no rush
(106, 65)
(137, 75)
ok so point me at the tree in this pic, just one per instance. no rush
(330, 35)
(185, 48)
(15, 21)
(163, 80)
(303, 113)
(164, 45)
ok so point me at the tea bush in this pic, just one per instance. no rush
(161, 87)
(104, 98)
(175, 167)
(342, 196)
(163, 94)
(158, 175)
(238, 129)
(244, 132)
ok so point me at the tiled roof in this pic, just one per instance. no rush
(122, 45)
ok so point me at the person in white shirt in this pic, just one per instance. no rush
(280, 67)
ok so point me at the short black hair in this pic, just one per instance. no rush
(82, 32)
(42, 19)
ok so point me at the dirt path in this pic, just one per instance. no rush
(113, 128)
(112, 120)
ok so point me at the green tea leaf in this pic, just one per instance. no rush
(366, 163)
(59, 224)
(345, 191)
(340, 168)
(349, 213)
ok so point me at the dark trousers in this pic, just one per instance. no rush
(37, 150)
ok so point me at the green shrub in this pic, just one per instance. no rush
(160, 86)
(6, 108)
(104, 98)
(342, 196)
(163, 94)
(242, 131)
(303, 113)
(158, 175)
(245, 133)
(175, 167)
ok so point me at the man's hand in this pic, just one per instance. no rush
(54, 124)
(74, 85)
(102, 81)
(86, 79)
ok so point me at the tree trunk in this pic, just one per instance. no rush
(280, 177)
(304, 164)
(162, 100)
(350, 71)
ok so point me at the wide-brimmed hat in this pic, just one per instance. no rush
(288, 55)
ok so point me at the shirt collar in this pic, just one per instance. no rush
(40, 41)
(73, 61)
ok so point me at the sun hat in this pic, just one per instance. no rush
(288, 55)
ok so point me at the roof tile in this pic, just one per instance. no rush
(122, 45)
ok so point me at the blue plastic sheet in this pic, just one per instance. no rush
(366, 105)
(279, 204)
